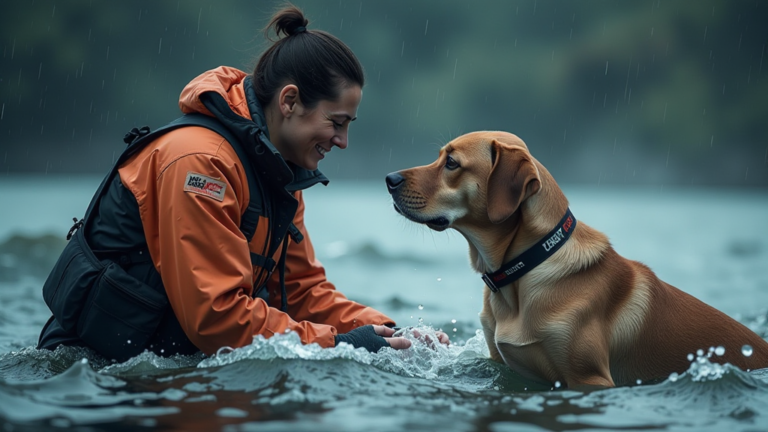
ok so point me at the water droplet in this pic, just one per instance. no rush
(639, 381)
(129, 341)
(699, 352)
(557, 384)
(421, 307)
(453, 321)
(454, 330)
(690, 356)
(84, 361)
(674, 376)
(439, 279)
(746, 350)
(720, 350)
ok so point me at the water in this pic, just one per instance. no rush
(710, 243)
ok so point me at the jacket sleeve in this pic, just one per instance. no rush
(204, 259)
(311, 296)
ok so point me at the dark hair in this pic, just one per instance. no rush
(318, 63)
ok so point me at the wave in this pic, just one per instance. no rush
(79, 395)
(467, 362)
(278, 372)
(708, 396)
(280, 378)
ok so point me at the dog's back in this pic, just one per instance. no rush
(679, 325)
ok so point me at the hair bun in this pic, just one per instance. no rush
(288, 21)
(297, 30)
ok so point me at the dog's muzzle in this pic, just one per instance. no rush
(394, 182)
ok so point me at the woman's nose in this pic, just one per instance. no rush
(340, 140)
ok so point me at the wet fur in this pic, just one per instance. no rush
(586, 317)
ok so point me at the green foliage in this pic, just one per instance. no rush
(632, 91)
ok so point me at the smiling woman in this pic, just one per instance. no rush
(196, 239)
(310, 85)
(304, 135)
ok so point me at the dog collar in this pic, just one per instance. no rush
(533, 256)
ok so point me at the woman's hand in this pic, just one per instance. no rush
(397, 343)
(403, 343)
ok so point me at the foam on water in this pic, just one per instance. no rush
(424, 359)
(281, 372)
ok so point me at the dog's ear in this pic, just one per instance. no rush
(512, 180)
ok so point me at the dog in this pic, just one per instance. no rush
(559, 305)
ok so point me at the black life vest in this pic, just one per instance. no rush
(114, 301)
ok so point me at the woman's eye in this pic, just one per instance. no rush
(451, 163)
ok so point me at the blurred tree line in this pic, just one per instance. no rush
(631, 92)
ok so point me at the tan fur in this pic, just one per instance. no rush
(585, 317)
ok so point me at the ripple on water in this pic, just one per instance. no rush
(708, 396)
(280, 377)
(79, 395)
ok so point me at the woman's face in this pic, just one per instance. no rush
(304, 136)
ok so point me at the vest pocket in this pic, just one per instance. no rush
(111, 311)
(120, 314)
(70, 281)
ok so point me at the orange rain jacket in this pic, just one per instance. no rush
(202, 256)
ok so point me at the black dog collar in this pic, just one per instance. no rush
(535, 255)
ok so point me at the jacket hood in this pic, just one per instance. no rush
(226, 81)
(238, 96)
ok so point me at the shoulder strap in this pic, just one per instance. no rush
(137, 139)
(251, 216)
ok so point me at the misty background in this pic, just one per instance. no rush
(632, 92)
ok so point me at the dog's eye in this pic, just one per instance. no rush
(451, 164)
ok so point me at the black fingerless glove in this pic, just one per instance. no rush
(363, 337)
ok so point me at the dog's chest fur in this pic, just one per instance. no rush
(518, 331)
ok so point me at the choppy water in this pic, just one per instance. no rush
(712, 244)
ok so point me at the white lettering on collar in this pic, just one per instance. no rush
(552, 241)
(514, 268)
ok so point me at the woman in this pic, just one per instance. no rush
(172, 217)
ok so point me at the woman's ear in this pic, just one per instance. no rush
(287, 100)
(512, 180)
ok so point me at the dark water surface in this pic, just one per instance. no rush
(712, 244)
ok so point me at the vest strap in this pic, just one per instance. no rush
(266, 263)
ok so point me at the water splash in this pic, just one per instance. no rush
(285, 346)
(426, 358)
(148, 363)
(708, 396)
(705, 368)
(746, 350)
(702, 369)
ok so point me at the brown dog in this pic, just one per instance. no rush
(581, 314)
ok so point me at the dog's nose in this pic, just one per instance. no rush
(394, 180)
